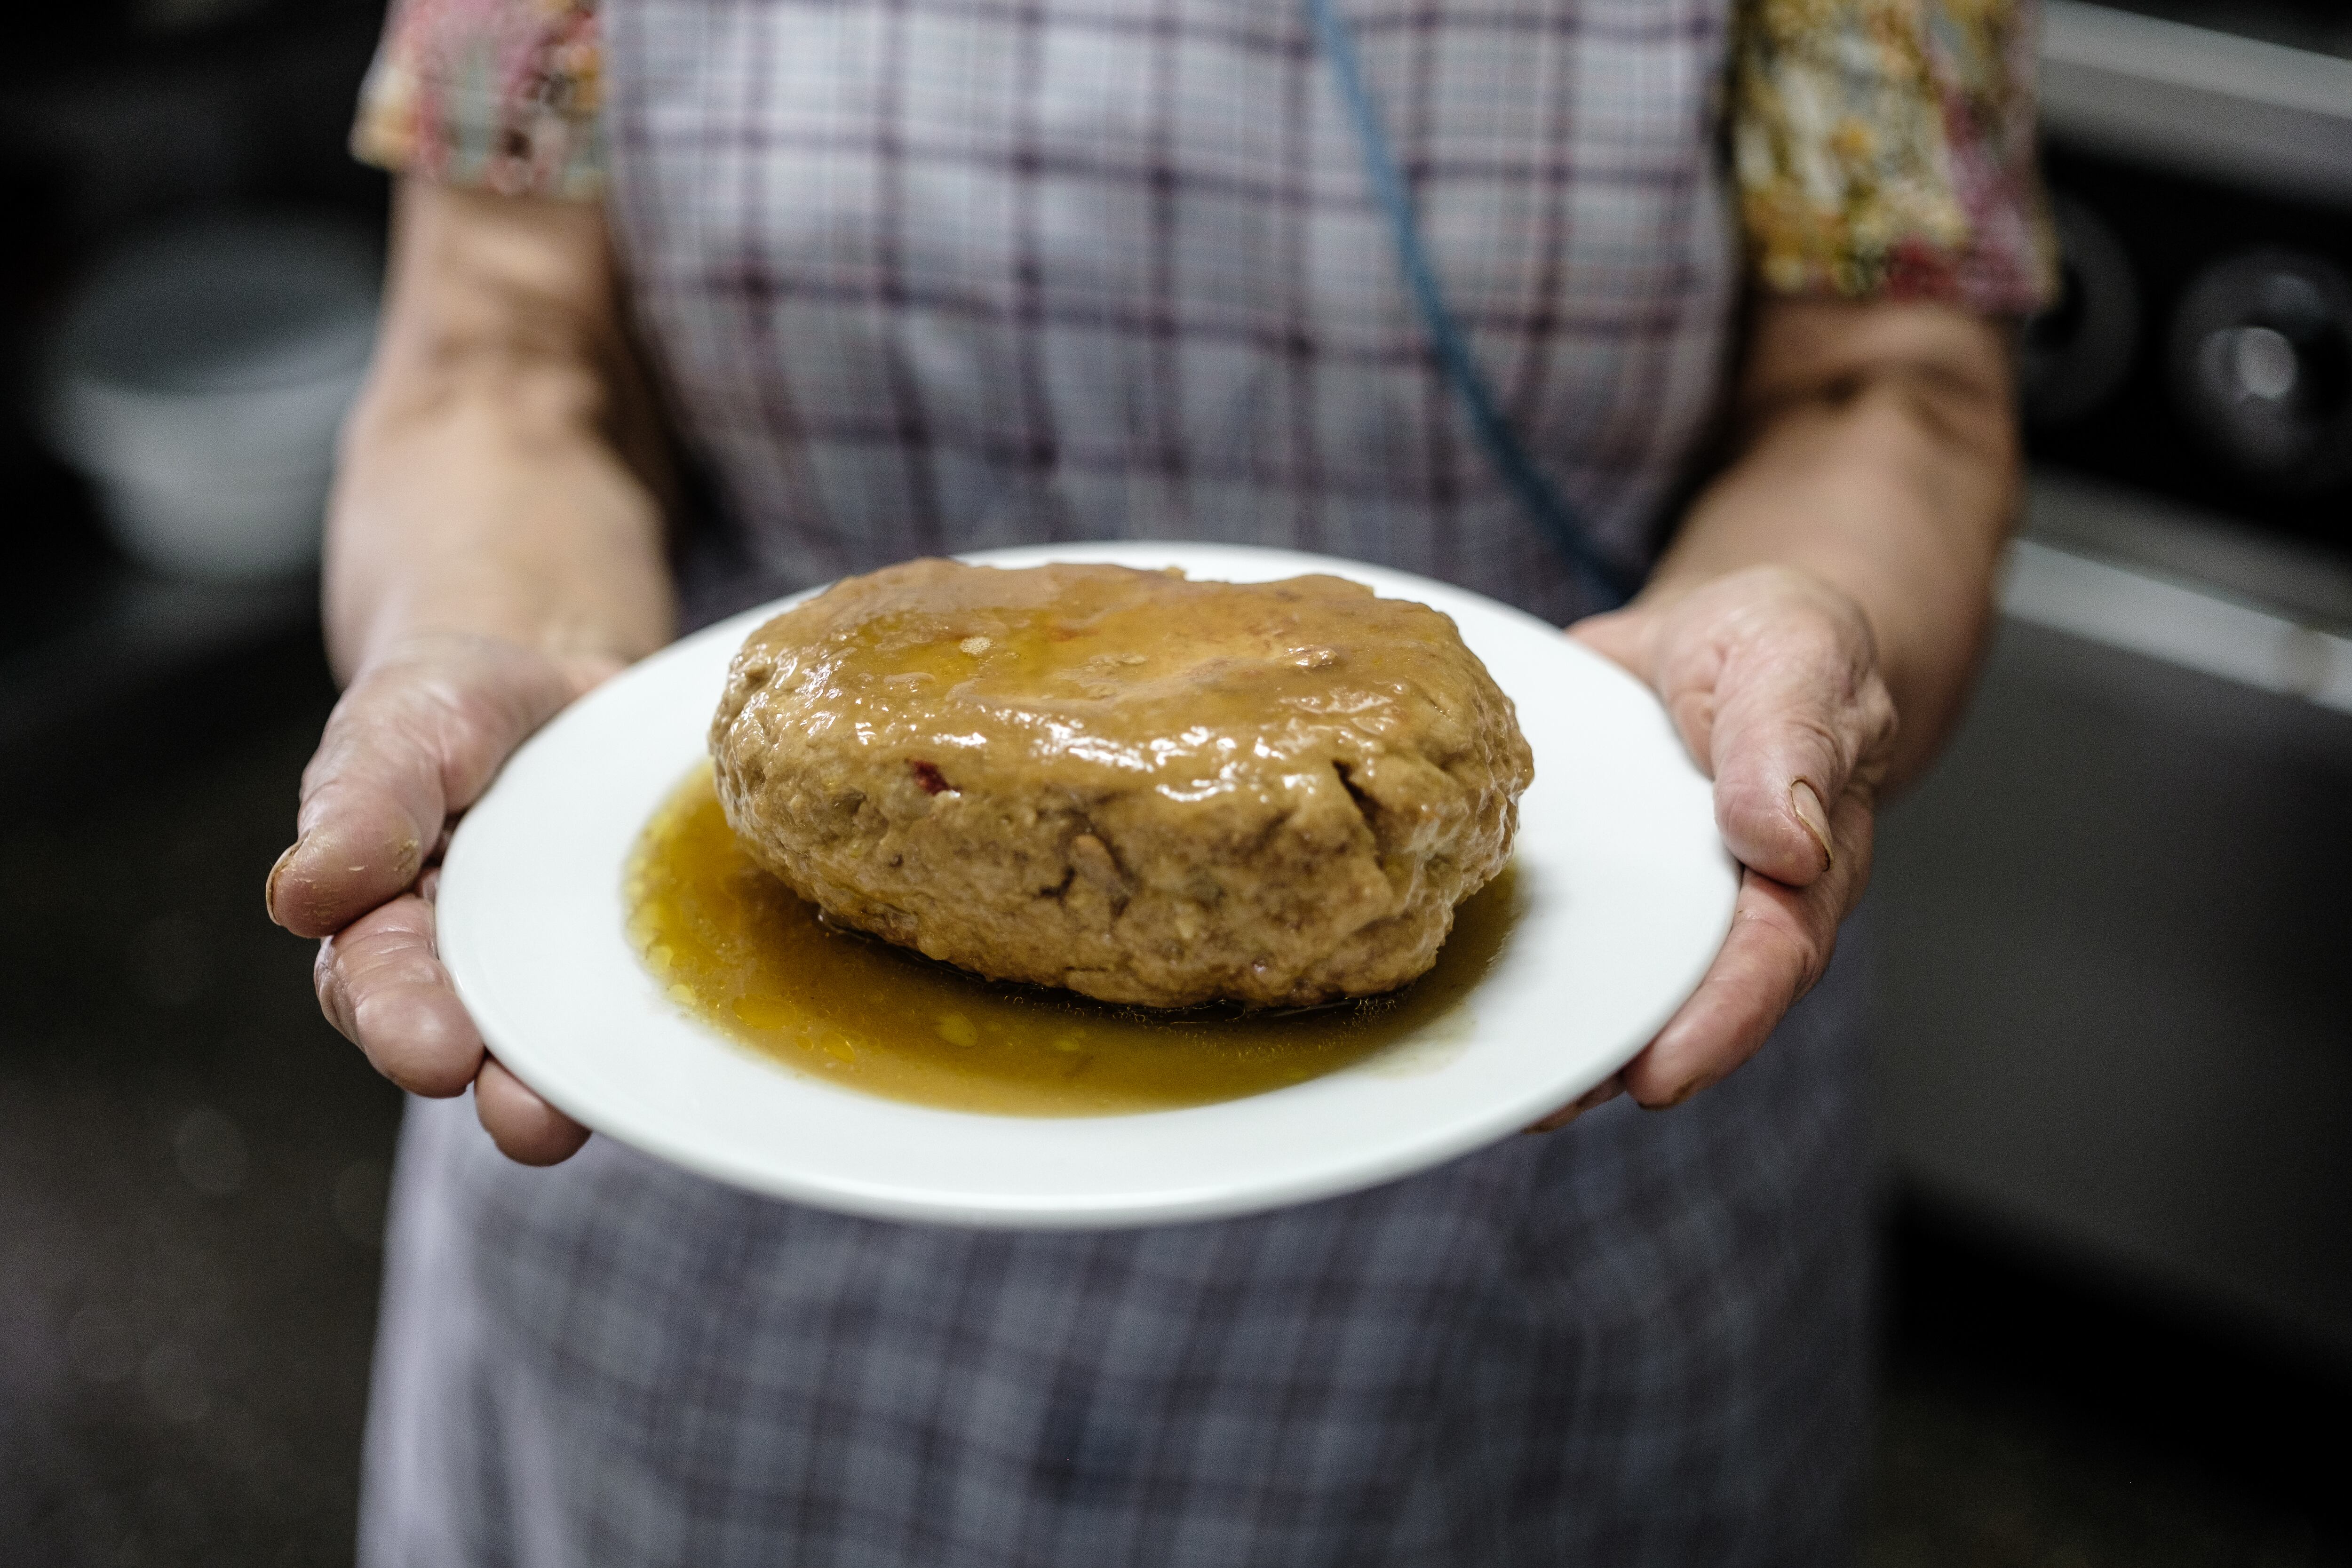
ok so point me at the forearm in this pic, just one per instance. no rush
(500, 476)
(1878, 455)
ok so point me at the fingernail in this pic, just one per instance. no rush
(269, 888)
(1808, 807)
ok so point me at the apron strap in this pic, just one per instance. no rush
(1612, 582)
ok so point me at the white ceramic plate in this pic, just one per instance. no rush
(1625, 894)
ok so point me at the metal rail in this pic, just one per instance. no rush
(2197, 100)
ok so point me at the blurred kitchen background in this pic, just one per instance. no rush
(2115, 1027)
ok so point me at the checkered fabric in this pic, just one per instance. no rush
(927, 275)
(1639, 1341)
(938, 275)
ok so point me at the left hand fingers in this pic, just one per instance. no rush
(1771, 679)
(1780, 945)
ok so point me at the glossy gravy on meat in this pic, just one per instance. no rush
(742, 953)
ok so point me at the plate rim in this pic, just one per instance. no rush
(1172, 1203)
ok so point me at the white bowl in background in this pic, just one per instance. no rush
(199, 376)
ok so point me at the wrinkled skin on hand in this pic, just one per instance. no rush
(1772, 678)
(1771, 675)
(414, 742)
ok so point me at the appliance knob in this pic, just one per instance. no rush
(2262, 367)
(2075, 354)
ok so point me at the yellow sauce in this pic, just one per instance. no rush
(739, 951)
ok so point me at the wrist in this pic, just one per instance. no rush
(449, 528)
(579, 666)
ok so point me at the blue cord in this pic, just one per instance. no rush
(1535, 489)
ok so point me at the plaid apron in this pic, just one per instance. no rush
(936, 274)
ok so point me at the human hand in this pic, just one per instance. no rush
(415, 741)
(1772, 678)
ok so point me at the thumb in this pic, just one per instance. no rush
(415, 741)
(1800, 716)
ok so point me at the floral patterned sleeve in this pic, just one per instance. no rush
(501, 95)
(1884, 149)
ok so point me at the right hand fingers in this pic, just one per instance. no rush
(413, 742)
(527, 1130)
(382, 984)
